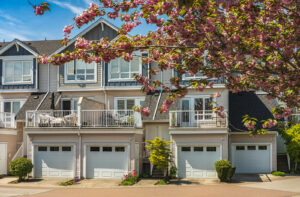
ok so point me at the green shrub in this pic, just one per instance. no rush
(20, 167)
(145, 175)
(70, 182)
(224, 170)
(278, 173)
(173, 172)
(161, 182)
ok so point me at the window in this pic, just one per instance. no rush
(54, 148)
(197, 75)
(211, 149)
(66, 148)
(80, 71)
(198, 149)
(121, 69)
(186, 149)
(262, 147)
(125, 104)
(94, 149)
(120, 149)
(18, 72)
(240, 148)
(107, 149)
(12, 106)
(251, 147)
(42, 148)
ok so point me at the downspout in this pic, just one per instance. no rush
(48, 77)
(157, 104)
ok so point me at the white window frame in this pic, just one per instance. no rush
(125, 79)
(136, 99)
(5, 61)
(72, 102)
(80, 81)
(22, 101)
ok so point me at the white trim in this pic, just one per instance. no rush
(19, 90)
(121, 88)
(5, 156)
(95, 80)
(16, 41)
(135, 98)
(8, 132)
(103, 144)
(100, 20)
(54, 144)
(198, 132)
(117, 131)
(251, 143)
(18, 58)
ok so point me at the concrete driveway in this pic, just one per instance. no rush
(292, 184)
(9, 191)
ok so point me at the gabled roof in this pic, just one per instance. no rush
(100, 20)
(41, 47)
(255, 105)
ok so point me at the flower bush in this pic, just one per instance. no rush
(130, 178)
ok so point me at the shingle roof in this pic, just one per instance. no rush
(42, 47)
(254, 105)
(31, 104)
(151, 102)
(34, 101)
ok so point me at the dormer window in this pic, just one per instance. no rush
(79, 71)
(18, 72)
(120, 70)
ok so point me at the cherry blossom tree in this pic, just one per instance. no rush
(251, 44)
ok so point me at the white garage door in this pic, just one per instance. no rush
(198, 161)
(3, 162)
(251, 158)
(107, 161)
(54, 161)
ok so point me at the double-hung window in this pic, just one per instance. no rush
(123, 70)
(18, 72)
(80, 72)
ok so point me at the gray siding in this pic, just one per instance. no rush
(94, 34)
(13, 51)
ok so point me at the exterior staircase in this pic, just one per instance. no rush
(157, 173)
(282, 163)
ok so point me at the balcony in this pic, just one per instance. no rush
(83, 119)
(196, 119)
(7, 120)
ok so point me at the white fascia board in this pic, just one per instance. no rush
(16, 41)
(198, 132)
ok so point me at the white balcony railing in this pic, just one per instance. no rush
(83, 118)
(7, 120)
(196, 119)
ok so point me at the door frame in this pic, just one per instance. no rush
(5, 156)
(195, 144)
(53, 144)
(251, 143)
(84, 159)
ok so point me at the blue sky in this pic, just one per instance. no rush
(17, 19)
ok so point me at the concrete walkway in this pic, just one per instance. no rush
(291, 184)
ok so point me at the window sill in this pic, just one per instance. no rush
(120, 80)
(18, 83)
(79, 82)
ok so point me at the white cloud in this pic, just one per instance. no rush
(75, 9)
(87, 2)
(12, 34)
(9, 18)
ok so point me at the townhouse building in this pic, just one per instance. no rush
(76, 120)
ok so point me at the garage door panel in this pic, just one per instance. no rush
(106, 164)
(197, 162)
(249, 158)
(54, 163)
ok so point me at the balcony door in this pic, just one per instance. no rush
(195, 109)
